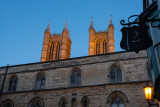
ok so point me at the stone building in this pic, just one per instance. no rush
(109, 79)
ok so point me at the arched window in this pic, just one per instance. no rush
(7, 103)
(85, 101)
(97, 47)
(13, 83)
(40, 82)
(51, 52)
(58, 51)
(76, 78)
(63, 103)
(117, 102)
(36, 102)
(116, 74)
(117, 99)
(104, 47)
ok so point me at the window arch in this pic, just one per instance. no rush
(7, 103)
(117, 102)
(104, 47)
(13, 83)
(58, 51)
(97, 47)
(40, 82)
(85, 101)
(63, 103)
(51, 51)
(116, 74)
(117, 99)
(76, 77)
(36, 102)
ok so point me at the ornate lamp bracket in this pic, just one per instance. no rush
(155, 22)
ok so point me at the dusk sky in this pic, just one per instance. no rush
(23, 22)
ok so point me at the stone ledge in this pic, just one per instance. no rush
(64, 88)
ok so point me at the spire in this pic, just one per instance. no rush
(110, 24)
(66, 27)
(48, 28)
(91, 25)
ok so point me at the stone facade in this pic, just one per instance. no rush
(95, 85)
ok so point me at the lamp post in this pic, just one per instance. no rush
(148, 90)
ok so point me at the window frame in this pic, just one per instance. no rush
(57, 51)
(39, 81)
(32, 101)
(104, 46)
(114, 73)
(120, 95)
(75, 83)
(63, 100)
(7, 101)
(13, 82)
(98, 47)
(85, 98)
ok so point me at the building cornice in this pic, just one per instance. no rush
(78, 87)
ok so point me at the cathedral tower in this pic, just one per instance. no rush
(101, 42)
(56, 46)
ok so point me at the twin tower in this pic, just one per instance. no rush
(58, 46)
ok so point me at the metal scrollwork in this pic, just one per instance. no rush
(136, 21)
(155, 21)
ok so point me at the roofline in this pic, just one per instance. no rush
(68, 59)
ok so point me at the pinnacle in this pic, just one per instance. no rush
(110, 24)
(48, 28)
(66, 27)
(91, 25)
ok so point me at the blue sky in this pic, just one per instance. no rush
(23, 22)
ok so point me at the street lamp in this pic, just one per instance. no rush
(148, 90)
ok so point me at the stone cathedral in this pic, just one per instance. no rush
(104, 78)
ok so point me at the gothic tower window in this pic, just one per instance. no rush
(58, 51)
(97, 47)
(76, 78)
(40, 82)
(36, 102)
(7, 103)
(104, 47)
(13, 83)
(85, 102)
(51, 52)
(116, 74)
